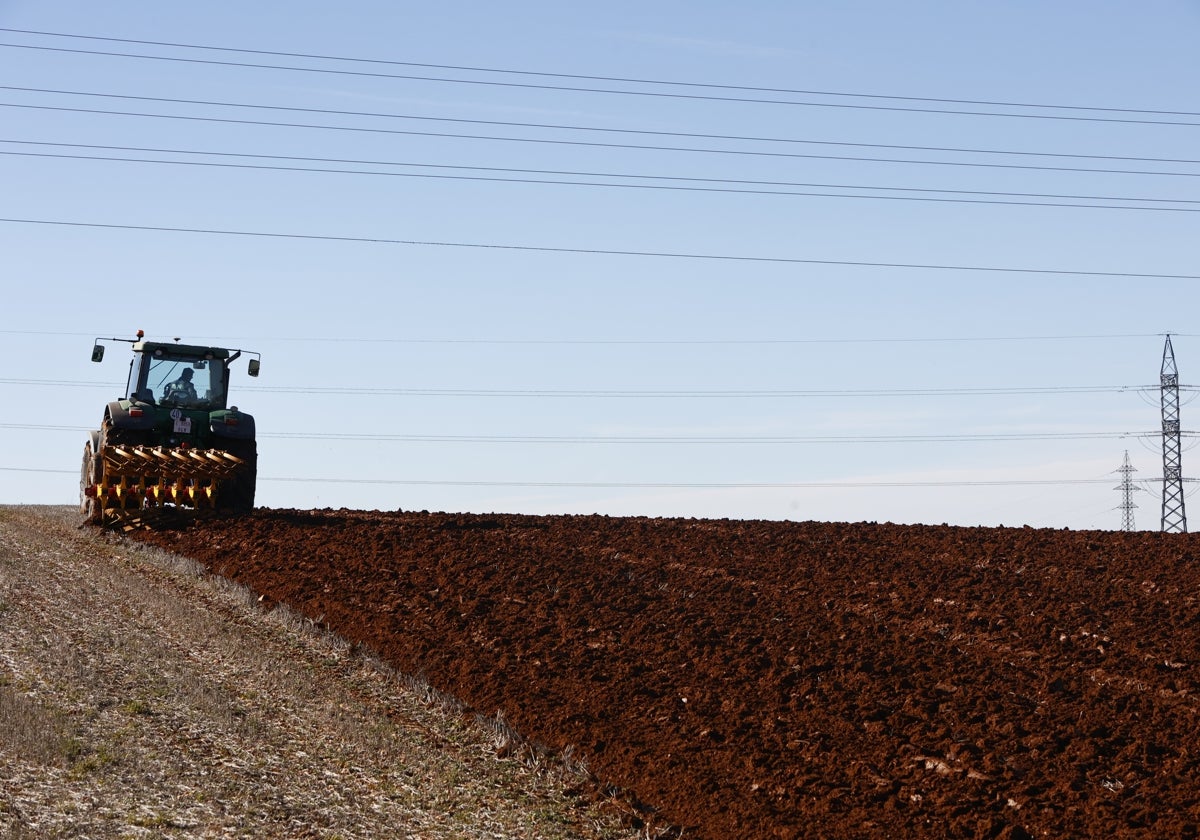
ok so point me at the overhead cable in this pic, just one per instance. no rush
(562, 142)
(679, 184)
(631, 80)
(782, 485)
(643, 484)
(338, 339)
(670, 95)
(980, 437)
(548, 249)
(680, 134)
(595, 393)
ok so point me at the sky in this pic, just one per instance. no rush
(860, 261)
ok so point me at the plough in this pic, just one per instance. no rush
(137, 477)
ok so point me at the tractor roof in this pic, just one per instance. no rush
(187, 351)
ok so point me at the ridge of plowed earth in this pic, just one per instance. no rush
(752, 679)
(140, 697)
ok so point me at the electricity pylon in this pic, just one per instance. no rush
(1127, 487)
(1174, 519)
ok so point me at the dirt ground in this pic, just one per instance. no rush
(770, 679)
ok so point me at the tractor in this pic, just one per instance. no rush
(173, 439)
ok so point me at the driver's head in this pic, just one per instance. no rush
(187, 374)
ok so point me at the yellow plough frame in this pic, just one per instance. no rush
(138, 477)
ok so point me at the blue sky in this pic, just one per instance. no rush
(760, 340)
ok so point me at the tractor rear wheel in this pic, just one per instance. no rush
(90, 474)
(237, 493)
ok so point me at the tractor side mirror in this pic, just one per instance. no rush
(252, 367)
(98, 353)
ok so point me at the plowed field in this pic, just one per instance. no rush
(771, 679)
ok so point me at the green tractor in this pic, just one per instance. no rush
(173, 439)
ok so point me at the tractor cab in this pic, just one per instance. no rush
(179, 375)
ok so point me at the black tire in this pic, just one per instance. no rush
(90, 474)
(110, 435)
(237, 494)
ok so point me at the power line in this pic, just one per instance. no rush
(578, 393)
(722, 394)
(645, 93)
(983, 437)
(679, 439)
(677, 341)
(654, 341)
(563, 142)
(57, 383)
(928, 194)
(643, 484)
(647, 342)
(676, 83)
(700, 485)
(547, 249)
(680, 134)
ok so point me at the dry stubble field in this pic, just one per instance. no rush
(142, 697)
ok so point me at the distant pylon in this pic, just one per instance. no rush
(1126, 487)
(1173, 517)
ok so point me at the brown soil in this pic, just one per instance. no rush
(769, 679)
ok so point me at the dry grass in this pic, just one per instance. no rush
(140, 697)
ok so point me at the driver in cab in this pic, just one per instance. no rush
(181, 391)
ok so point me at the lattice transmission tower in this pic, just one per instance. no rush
(1127, 488)
(1174, 519)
